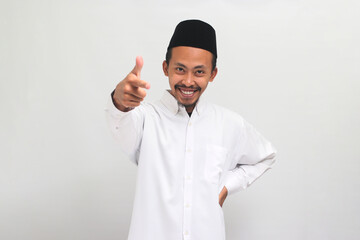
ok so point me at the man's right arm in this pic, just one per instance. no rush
(124, 114)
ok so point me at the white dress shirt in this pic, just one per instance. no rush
(183, 164)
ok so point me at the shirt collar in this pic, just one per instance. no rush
(173, 106)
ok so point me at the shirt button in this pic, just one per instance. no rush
(188, 177)
(187, 205)
(186, 233)
(188, 150)
(190, 123)
(116, 127)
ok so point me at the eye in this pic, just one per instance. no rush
(179, 69)
(199, 72)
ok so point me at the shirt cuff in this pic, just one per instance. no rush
(235, 181)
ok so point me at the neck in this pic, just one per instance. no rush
(189, 109)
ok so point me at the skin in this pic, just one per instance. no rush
(131, 90)
(189, 70)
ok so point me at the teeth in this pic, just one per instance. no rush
(187, 92)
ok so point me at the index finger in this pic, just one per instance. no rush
(140, 83)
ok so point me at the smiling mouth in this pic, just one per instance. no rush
(187, 92)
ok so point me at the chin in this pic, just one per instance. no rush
(187, 103)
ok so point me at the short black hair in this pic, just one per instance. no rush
(169, 54)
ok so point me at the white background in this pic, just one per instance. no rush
(291, 68)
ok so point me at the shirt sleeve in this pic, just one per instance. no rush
(126, 127)
(254, 156)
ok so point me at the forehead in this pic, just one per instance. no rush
(190, 56)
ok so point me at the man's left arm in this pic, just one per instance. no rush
(254, 156)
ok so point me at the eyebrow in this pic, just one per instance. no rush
(182, 65)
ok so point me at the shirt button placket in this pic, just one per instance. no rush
(188, 181)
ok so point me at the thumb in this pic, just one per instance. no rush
(138, 66)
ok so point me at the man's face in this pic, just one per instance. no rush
(189, 72)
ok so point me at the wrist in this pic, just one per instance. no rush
(118, 105)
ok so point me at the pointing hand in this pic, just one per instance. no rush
(131, 91)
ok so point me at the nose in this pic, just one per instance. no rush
(189, 81)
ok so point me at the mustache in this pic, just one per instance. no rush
(183, 86)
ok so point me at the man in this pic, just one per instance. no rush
(190, 154)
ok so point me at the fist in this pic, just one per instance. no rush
(131, 91)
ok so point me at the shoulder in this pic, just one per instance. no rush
(229, 116)
(151, 109)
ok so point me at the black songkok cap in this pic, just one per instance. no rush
(194, 33)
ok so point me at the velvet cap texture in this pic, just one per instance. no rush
(194, 33)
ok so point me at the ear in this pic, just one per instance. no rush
(165, 68)
(213, 74)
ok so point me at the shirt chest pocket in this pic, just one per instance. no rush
(214, 162)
